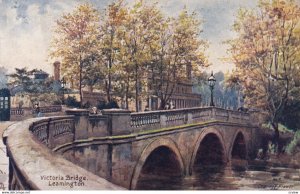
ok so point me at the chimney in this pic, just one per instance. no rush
(189, 71)
(56, 65)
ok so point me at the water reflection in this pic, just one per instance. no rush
(253, 175)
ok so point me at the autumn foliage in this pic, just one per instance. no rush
(266, 53)
(129, 52)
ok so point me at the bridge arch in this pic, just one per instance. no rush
(164, 143)
(238, 147)
(212, 134)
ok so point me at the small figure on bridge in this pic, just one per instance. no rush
(172, 105)
(167, 106)
(94, 110)
(146, 109)
(242, 109)
(37, 110)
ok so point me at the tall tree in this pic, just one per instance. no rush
(233, 83)
(124, 86)
(266, 56)
(21, 77)
(76, 42)
(93, 72)
(25, 78)
(177, 55)
(136, 41)
(111, 30)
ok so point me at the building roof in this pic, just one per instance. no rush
(16, 89)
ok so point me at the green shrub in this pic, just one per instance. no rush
(108, 105)
(101, 105)
(112, 104)
(87, 105)
(45, 99)
(292, 146)
(72, 102)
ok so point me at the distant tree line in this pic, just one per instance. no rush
(225, 95)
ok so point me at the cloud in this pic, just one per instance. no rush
(26, 27)
(26, 33)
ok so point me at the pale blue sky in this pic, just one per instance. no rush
(25, 27)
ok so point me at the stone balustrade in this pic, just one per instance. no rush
(17, 111)
(168, 118)
(18, 114)
(54, 131)
(50, 109)
(142, 120)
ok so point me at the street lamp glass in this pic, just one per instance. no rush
(63, 82)
(211, 80)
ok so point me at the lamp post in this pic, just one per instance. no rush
(211, 82)
(63, 84)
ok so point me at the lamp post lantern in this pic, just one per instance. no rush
(63, 84)
(211, 82)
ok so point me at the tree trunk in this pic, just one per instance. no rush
(126, 102)
(126, 97)
(109, 86)
(136, 89)
(110, 63)
(162, 104)
(80, 81)
(276, 137)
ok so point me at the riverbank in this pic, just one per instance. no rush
(286, 160)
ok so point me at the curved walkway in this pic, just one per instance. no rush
(3, 158)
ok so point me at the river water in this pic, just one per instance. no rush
(252, 176)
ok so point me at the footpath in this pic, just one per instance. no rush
(3, 158)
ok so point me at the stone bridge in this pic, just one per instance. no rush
(120, 146)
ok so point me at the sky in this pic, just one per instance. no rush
(26, 27)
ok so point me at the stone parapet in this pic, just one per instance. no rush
(168, 118)
(33, 166)
(77, 112)
(118, 121)
(81, 122)
(18, 114)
